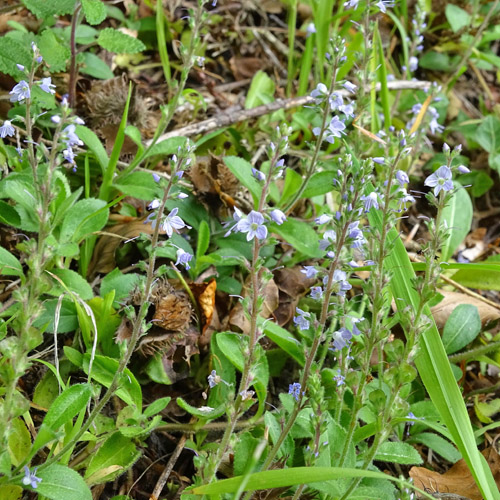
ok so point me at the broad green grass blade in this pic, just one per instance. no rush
(107, 181)
(434, 368)
(162, 43)
(289, 477)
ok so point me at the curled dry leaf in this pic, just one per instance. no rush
(237, 318)
(457, 480)
(292, 284)
(103, 259)
(442, 311)
(204, 293)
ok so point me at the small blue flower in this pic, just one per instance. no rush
(30, 478)
(253, 225)
(350, 87)
(329, 238)
(323, 219)
(173, 221)
(461, 168)
(294, 390)
(371, 201)
(7, 129)
(341, 338)
(300, 320)
(213, 379)
(316, 293)
(183, 258)
(258, 175)
(340, 283)
(340, 379)
(402, 178)
(440, 180)
(278, 216)
(20, 92)
(69, 136)
(310, 272)
(47, 86)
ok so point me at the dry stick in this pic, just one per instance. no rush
(226, 119)
(464, 289)
(168, 468)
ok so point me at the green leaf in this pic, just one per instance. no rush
(156, 371)
(113, 458)
(10, 491)
(156, 406)
(8, 214)
(83, 218)
(300, 235)
(437, 444)
(65, 407)
(55, 53)
(398, 453)
(19, 442)
(103, 371)
(205, 412)
(48, 8)
(167, 147)
(488, 134)
(458, 217)
(74, 282)
(9, 265)
(242, 170)
(96, 67)
(476, 276)
(94, 10)
(286, 477)
(91, 140)
(68, 319)
(139, 185)
(319, 183)
(60, 482)
(293, 181)
(203, 239)
(121, 283)
(284, 339)
(261, 91)
(457, 17)
(461, 328)
(118, 42)
(13, 52)
(436, 61)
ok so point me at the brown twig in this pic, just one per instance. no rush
(226, 119)
(168, 468)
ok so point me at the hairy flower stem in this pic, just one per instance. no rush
(431, 274)
(33, 286)
(372, 338)
(253, 338)
(172, 105)
(319, 142)
(138, 328)
(311, 355)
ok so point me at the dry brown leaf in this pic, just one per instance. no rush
(103, 259)
(442, 311)
(246, 67)
(204, 293)
(457, 480)
(292, 284)
(237, 318)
